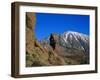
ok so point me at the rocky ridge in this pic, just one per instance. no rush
(36, 54)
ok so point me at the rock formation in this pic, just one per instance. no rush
(36, 54)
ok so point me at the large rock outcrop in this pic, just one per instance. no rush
(36, 54)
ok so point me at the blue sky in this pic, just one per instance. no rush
(47, 23)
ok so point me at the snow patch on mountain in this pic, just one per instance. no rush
(75, 40)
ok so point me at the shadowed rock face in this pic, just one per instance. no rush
(52, 41)
(36, 54)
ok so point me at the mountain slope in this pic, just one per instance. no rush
(75, 40)
(73, 47)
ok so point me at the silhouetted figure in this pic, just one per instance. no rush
(52, 42)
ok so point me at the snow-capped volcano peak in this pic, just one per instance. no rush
(71, 32)
(74, 40)
(74, 35)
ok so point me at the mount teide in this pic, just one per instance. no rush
(75, 40)
(73, 47)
